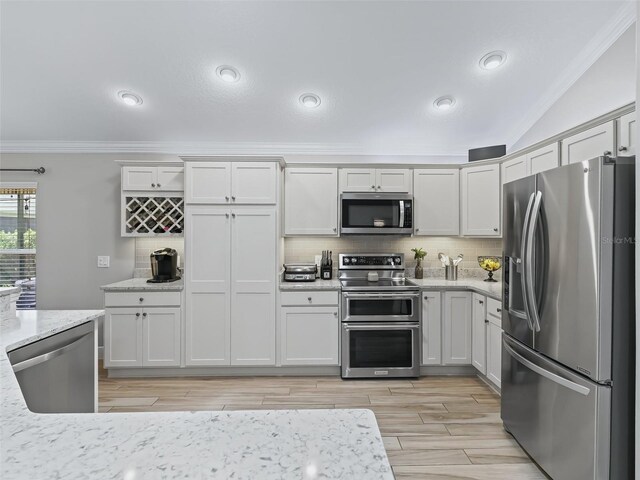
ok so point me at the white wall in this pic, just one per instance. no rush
(78, 219)
(608, 84)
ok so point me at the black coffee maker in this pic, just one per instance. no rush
(164, 266)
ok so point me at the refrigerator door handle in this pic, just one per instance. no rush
(528, 260)
(523, 255)
(582, 390)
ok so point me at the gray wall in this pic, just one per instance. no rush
(78, 219)
(608, 84)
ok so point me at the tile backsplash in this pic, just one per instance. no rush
(303, 249)
(144, 247)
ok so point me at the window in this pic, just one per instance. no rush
(18, 241)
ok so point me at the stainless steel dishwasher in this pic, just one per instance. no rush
(58, 374)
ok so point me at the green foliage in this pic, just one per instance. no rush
(419, 253)
(9, 240)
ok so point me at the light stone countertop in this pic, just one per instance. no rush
(333, 284)
(9, 290)
(137, 284)
(265, 445)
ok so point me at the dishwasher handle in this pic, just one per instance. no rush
(32, 362)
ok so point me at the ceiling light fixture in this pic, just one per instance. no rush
(444, 103)
(228, 73)
(310, 100)
(129, 98)
(493, 60)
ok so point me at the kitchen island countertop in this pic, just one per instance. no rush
(291, 444)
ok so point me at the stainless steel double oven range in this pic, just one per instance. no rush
(380, 317)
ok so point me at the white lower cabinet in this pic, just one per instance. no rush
(494, 353)
(309, 335)
(431, 328)
(456, 337)
(142, 337)
(478, 334)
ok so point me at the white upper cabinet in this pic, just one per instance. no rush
(227, 183)
(514, 169)
(589, 144)
(311, 201)
(436, 201)
(542, 159)
(480, 196)
(431, 328)
(479, 334)
(627, 134)
(456, 338)
(152, 178)
(253, 183)
(383, 180)
(208, 182)
(394, 180)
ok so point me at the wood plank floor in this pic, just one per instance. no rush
(433, 428)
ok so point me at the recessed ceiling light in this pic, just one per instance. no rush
(444, 103)
(493, 60)
(130, 98)
(228, 73)
(310, 100)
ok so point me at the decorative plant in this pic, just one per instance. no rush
(418, 254)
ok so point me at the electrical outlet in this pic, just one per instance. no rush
(103, 262)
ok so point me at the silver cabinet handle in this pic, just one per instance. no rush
(144, 314)
(498, 310)
(622, 149)
(335, 314)
(373, 186)
(233, 215)
(141, 299)
(495, 229)
(137, 314)
(32, 362)
(226, 215)
(379, 187)
(481, 302)
(153, 184)
(426, 298)
(309, 298)
(233, 198)
(486, 321)
(159, 185)
(606, 153)
(226, 198)
(335, 229)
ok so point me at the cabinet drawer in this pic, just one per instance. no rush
(494, 311)
(142, 299)
(309, 297)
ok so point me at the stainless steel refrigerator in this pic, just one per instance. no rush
(568, 349)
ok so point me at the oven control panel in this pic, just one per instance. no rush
(371, 261)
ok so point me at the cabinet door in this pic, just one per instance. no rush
(627, 134)
(358, 180)
(207, 274)
(207, 182)
(479, 334)
(514, 169)
(161, 337)
(139, 178)
(253, 286)
(542, 159)
(397, 180)
(170, 179)
(431, 328)
(457, 329)
(589, 144)
(309, 336)
(122, 337)
(494, 353)
(436, 201)
(311, 201)
(481, 192)
(254, 183)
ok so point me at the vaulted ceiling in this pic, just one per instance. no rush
(376, 66)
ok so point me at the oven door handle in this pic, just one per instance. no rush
(374, 326)
(398, 295)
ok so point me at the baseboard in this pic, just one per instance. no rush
(489, 383)
(427, 370)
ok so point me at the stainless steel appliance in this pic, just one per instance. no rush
(164, 266)
(380, 317)
(300, 272)
(376, 214)
(568, 349)
(58, 374)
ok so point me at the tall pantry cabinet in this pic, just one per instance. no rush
(231, 264)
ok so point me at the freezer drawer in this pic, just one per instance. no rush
(561, 419)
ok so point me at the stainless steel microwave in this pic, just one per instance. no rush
(376, 214)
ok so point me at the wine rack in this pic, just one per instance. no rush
(153, 216)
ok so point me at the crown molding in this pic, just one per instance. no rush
(221, 148)
(593, 50)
